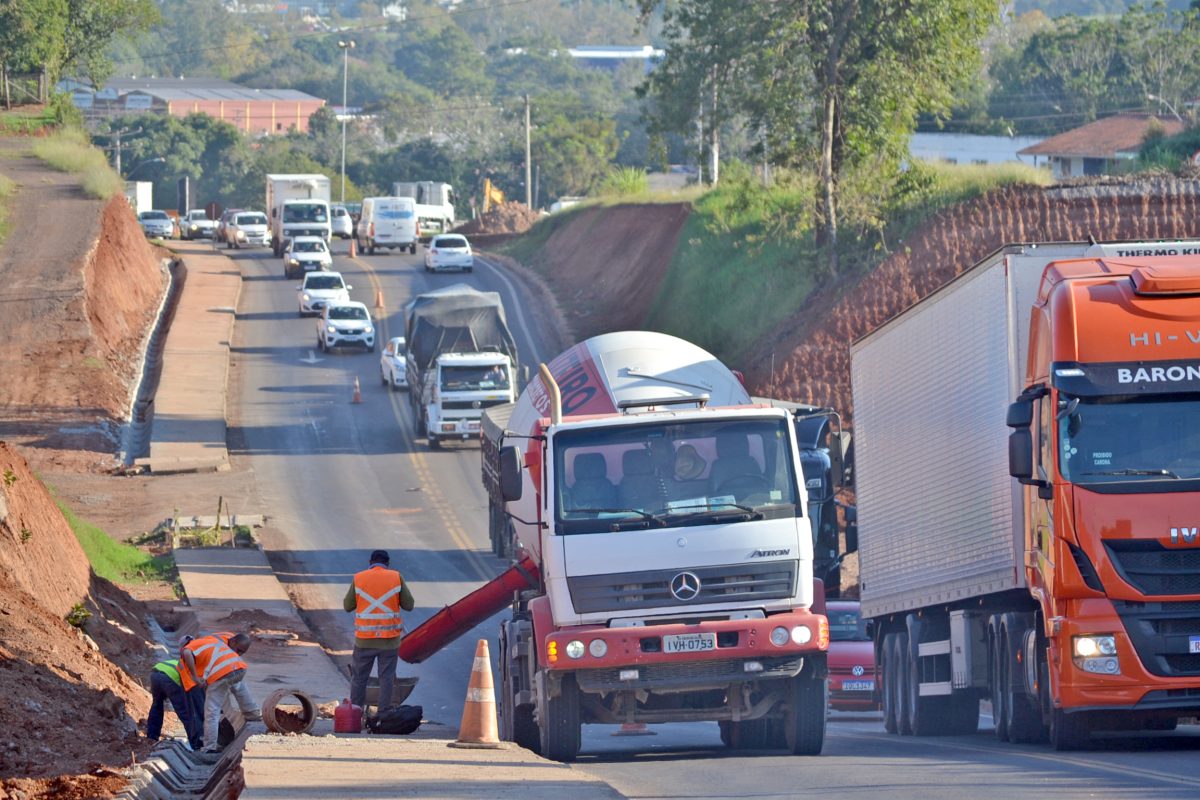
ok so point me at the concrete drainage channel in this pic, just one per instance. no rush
(135, 442)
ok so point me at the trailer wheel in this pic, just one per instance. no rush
(558, 721)
(900, 682)
(1069, 731)
(804, 722)
(888, 680)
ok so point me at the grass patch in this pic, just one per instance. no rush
(118, 562)
(69, 150)
(25, 121)
(8, 188)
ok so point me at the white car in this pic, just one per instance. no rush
(345, 325)
(247, 227)
(197, 225)
(156, 224)
(305, 254)
(392, 369)
(320, 289)
(343, 225)
(449, 251)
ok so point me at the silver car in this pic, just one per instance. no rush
(247, 227)
(156, 224)
(197, 225)
(341, 223)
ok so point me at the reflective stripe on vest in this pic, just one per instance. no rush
(170, 669)
(378, 594)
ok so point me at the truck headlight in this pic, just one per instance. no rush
(779, 636)
(801, 634)
(1096, 654)
(575, 649)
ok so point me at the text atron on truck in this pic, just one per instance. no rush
(1071, 596)
(665, 566)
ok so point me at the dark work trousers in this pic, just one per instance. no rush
(364, 659)
(162, 689)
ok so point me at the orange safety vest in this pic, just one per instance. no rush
(214, 660)
(377, 615)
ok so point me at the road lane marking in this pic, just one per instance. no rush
(440, 505)
(1056, 758)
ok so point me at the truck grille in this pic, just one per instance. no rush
(688, 674)
(469, 404)
(652, 589)
(1160, 633)
(1156, 570)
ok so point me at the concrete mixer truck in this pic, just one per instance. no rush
(664, 566)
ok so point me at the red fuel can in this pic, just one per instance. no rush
(347, 718)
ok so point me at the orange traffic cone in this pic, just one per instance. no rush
(379, 300)
(478, 728)
(357, 398)
(634, 729)
(352, 253)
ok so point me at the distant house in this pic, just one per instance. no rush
(1098, 147)
(256, 112)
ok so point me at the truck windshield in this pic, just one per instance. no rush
(678, 473)
(305, 212)
(483, 378)
(1113, 439)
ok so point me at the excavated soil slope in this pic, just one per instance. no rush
(817, 367)
(606, 264)
(67, 702)
(79, 286)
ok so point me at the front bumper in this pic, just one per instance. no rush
(738, 640)
(252, 238)
(455, 428)
(363, 340)
(201, 233)
(457, 263)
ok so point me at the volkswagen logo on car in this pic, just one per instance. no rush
(685, 586)
(856, 670)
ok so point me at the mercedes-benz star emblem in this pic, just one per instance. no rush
(856, 671)
(476, 404)
(685, 586)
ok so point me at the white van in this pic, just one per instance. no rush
(387, 222)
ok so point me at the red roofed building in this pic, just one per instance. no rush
(1096, 148)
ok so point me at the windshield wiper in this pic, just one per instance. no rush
(716, 510)
(1164, 472)
(645, 515)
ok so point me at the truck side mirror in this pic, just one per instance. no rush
(510, 474)
(1020, 414)
(1020, 455)
(851, 531)
(841, 459)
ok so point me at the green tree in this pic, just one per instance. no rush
(91, 27)
(1160, 53)
(573, 153)
(444, 61)
(31, 37)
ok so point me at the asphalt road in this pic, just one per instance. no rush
(341, 479)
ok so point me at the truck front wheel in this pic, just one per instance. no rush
(804, 722)
(1068, 731)
(558, 720)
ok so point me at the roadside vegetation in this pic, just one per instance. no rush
(70, 150)
(116, 561)
(7, 190)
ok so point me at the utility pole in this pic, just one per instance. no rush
(528, 159)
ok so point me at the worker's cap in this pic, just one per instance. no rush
(380, 557)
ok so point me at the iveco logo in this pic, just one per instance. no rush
(856, 670)
(769, 553)
(1184, 535)
(685, 586)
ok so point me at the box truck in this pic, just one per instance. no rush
(298, 205)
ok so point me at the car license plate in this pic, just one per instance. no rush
(858, 686)
(689, 642)
(1194, 644)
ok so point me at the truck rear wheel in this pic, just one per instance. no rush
(804, 722)
(888, 680)
(558, 721)
(900, 681)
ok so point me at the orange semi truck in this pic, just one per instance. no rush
(1028, 486)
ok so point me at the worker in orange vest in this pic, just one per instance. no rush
(215, 662)
(376, 597)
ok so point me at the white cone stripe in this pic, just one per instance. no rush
(480, 664)
(480, 696)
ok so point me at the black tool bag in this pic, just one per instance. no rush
(396, 719)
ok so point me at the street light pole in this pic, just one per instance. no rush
(1163, 100)
(346, 46)
(155, 160)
